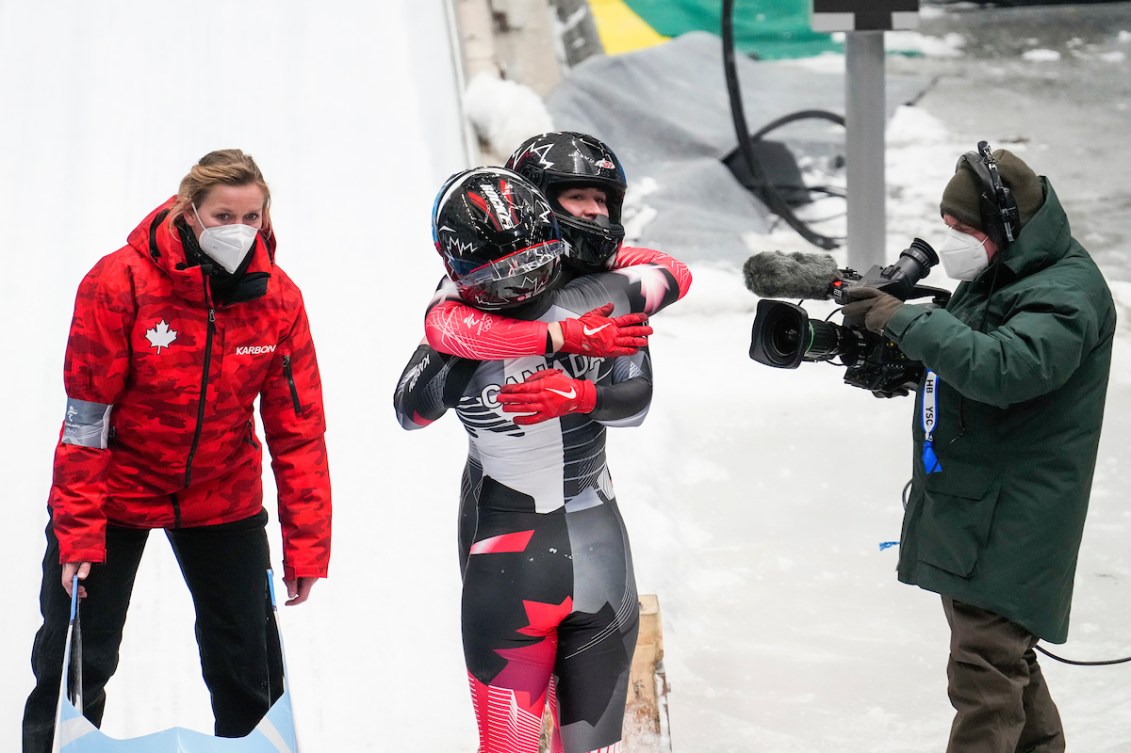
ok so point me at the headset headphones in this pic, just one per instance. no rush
(998, 207)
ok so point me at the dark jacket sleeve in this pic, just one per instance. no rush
(431, 383)
(625, 393)
(1045, 335)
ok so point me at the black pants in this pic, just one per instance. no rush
(225, 569)
(1001, 701)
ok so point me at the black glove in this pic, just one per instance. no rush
(875, 306)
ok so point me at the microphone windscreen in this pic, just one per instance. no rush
(774, 274)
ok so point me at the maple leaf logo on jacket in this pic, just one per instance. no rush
(160, 336)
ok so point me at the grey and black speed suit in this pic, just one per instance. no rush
(549, 598)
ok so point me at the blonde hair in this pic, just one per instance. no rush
(228, 167)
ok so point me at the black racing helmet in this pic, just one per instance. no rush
(498, 237)
(564, 159)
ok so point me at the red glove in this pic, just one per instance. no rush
(547, 394)
(595, 334)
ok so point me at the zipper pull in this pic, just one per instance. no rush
(289, 374)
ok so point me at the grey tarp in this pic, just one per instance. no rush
(664, 110)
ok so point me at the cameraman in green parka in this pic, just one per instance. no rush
(1006, 428)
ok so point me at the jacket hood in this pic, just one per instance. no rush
(1045, 239)
(158, 240)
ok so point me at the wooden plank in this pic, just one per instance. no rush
(646, 727)
(646, 712)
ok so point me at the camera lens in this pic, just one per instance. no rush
(783, 336)
(827, 341)
(785, 340)
(776, 339)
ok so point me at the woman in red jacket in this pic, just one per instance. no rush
(174, 337)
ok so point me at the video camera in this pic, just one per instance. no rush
(783, 335)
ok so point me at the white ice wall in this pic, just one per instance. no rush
(349, 109)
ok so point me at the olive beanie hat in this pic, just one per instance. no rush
(961, 197)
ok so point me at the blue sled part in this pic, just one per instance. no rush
(274, 734)
(74, 733)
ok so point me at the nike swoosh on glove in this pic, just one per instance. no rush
(596, 334)
(547, 394)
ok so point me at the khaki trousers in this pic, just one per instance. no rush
(999, 694)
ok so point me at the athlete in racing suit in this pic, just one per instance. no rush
(547, 573)
(549, 595)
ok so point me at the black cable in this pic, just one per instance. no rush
(772, 197)
(1082, 663)
(799, 115)
(834, 191)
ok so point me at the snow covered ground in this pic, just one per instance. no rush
(757, 499)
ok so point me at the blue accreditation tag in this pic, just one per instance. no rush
(930, 413)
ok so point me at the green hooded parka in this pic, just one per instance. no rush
(1022, 355)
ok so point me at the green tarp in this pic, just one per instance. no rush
(767, 29)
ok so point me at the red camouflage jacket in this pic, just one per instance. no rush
(161, 384)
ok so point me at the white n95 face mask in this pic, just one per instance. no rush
(963, 256)
(227, 245)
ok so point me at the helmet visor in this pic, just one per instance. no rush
(513, 279)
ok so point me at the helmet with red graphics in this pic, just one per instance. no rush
(561, 160)
(497, 236)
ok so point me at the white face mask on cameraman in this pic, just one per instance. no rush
(963, 256)
(227, 245)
